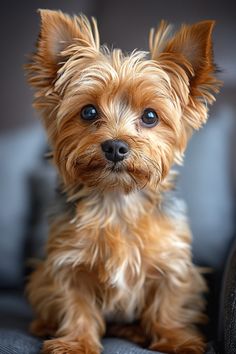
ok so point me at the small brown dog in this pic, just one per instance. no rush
(119, 249)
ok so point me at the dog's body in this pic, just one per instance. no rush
(119, 249)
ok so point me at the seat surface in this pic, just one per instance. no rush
(15, 316)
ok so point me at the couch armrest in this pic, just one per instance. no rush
(228, 334)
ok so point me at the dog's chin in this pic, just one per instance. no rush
(120, 180)
(122, 177)
(116, 178)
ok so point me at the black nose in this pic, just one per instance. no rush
(115, 150)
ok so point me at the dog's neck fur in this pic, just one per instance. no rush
(117, 230)
(113, 206)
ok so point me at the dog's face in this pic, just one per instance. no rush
(117, 121)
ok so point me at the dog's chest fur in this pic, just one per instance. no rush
(120, 243)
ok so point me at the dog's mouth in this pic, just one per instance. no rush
(93, 166)
(129, 174)
(117, 168)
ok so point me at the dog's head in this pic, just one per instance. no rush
(116, 120)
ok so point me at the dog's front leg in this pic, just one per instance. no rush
(80, 327)
(173, 308)
(66, 310)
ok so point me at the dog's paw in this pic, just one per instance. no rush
(188, 347)
(131, 332)
(41, 329)
(65, 346)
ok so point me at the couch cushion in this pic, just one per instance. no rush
(15, 316)
(19, 153)
(205, 185)
(15, 312)
(18, 342)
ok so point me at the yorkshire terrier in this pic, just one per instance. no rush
(118, 256)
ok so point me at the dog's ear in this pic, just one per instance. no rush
(58, 33)
(188, 54)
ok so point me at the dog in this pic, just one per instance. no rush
(118, 257)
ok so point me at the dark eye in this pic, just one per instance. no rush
(149, 118)
(89, 112)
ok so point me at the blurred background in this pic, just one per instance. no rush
(207, 180)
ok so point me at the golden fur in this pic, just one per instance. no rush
(120, 251)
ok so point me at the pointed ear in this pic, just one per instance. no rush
(192, 42)
(59, 31)
(195, 44)
(189, 54)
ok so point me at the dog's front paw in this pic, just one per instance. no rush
(65, 346)
(195, 346)
(41, 329)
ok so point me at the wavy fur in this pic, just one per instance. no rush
(120, 248)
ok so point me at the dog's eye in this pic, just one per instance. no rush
(89, 112)
(149, 118)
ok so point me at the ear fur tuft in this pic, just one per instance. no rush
(188, 54)
(58, 32)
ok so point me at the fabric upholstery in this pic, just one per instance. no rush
(20, 152)
(205, 185)
(18, 342)
(229, 305)
(15, 316)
